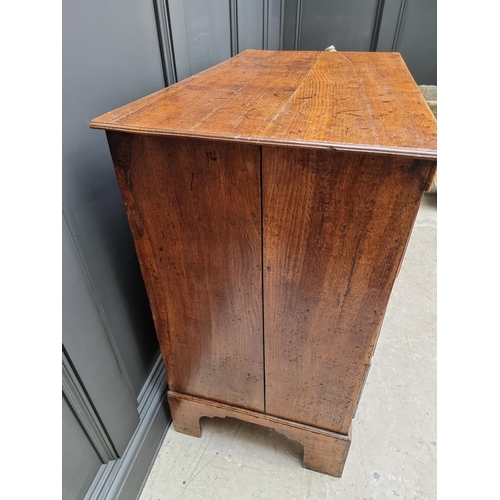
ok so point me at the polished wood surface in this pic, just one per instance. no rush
(194, 210)
(358, 101)
(271, 199)
(335, 229)
(324, 451)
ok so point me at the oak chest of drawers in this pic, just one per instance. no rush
(271, 199)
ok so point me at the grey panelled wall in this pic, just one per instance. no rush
(113, 385)
(250, 18)
(80, 461)
(202, 29)
(346, 24)
(110, 57)
(405, 26)
(410, 27)
(197, 34)
(90, 351)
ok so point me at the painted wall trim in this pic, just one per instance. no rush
(124, 478)
(282, 23)
(165, 40)
(80, 403)
(400, 25)
(233, 26)
(265, 24)
(378, 23)
(97, 302)
(298, 23)
(149, 392)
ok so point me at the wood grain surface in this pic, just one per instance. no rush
(194, 210)
(335, 229)
(271, 199)
(324, 451)
(355, 101)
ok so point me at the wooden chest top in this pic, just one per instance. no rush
(349, 101)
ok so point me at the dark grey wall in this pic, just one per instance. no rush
(197, 34)
(110, 57)
(346, 24)
(405, 26)
(91, 351)
(81, 461)
(417, 40)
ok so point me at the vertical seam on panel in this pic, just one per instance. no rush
(89, 282)
(282, 22)
(164, 28)
(233, 27)
(265, 24)
(377, 25)
(399, 26)
(262, 275)
(298, 23)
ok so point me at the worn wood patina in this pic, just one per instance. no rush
(271, 199)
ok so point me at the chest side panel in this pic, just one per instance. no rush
(335, 230)
(194, 210)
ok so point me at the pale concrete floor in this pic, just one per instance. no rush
(393, 450)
